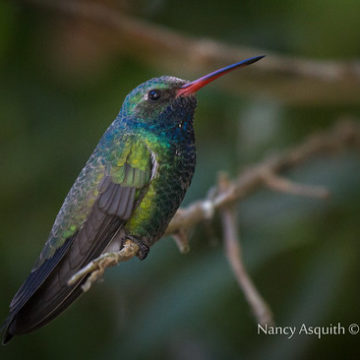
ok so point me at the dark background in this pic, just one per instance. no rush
(61, 86)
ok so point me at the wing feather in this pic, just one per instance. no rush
(38, 276)
(45, 293)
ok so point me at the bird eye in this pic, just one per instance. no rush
(154, 94)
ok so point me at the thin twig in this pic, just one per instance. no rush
(233, 253)
(97, 267)
(285, 78)
(182, 241)
(279, 183)
(341, 136)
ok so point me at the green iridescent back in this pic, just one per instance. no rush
(130, 188)
(167, 133)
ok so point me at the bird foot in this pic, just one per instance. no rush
(96, 268)
(143, 248)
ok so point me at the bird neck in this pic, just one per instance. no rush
(176, 125)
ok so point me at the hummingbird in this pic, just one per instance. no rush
(130, 188)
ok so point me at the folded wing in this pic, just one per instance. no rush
(45, 292)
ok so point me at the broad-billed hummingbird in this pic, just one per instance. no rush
(130, 188)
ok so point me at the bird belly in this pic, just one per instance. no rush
(162, 198)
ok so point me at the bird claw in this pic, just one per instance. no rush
(143, 248)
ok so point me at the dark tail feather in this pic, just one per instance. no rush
(54, 295)
(6, 338)
(10, 323)
(9, 327)
(6, 335)
(74, 295)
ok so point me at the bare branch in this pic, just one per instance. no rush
(97, 267)
(281, 184)
(343, 135)
(233, 253)
(284, 78)
(182, 241)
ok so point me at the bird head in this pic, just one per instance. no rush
(167, 96)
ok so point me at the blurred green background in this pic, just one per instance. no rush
(60, 87)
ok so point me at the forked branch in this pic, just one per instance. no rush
(343, 135)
